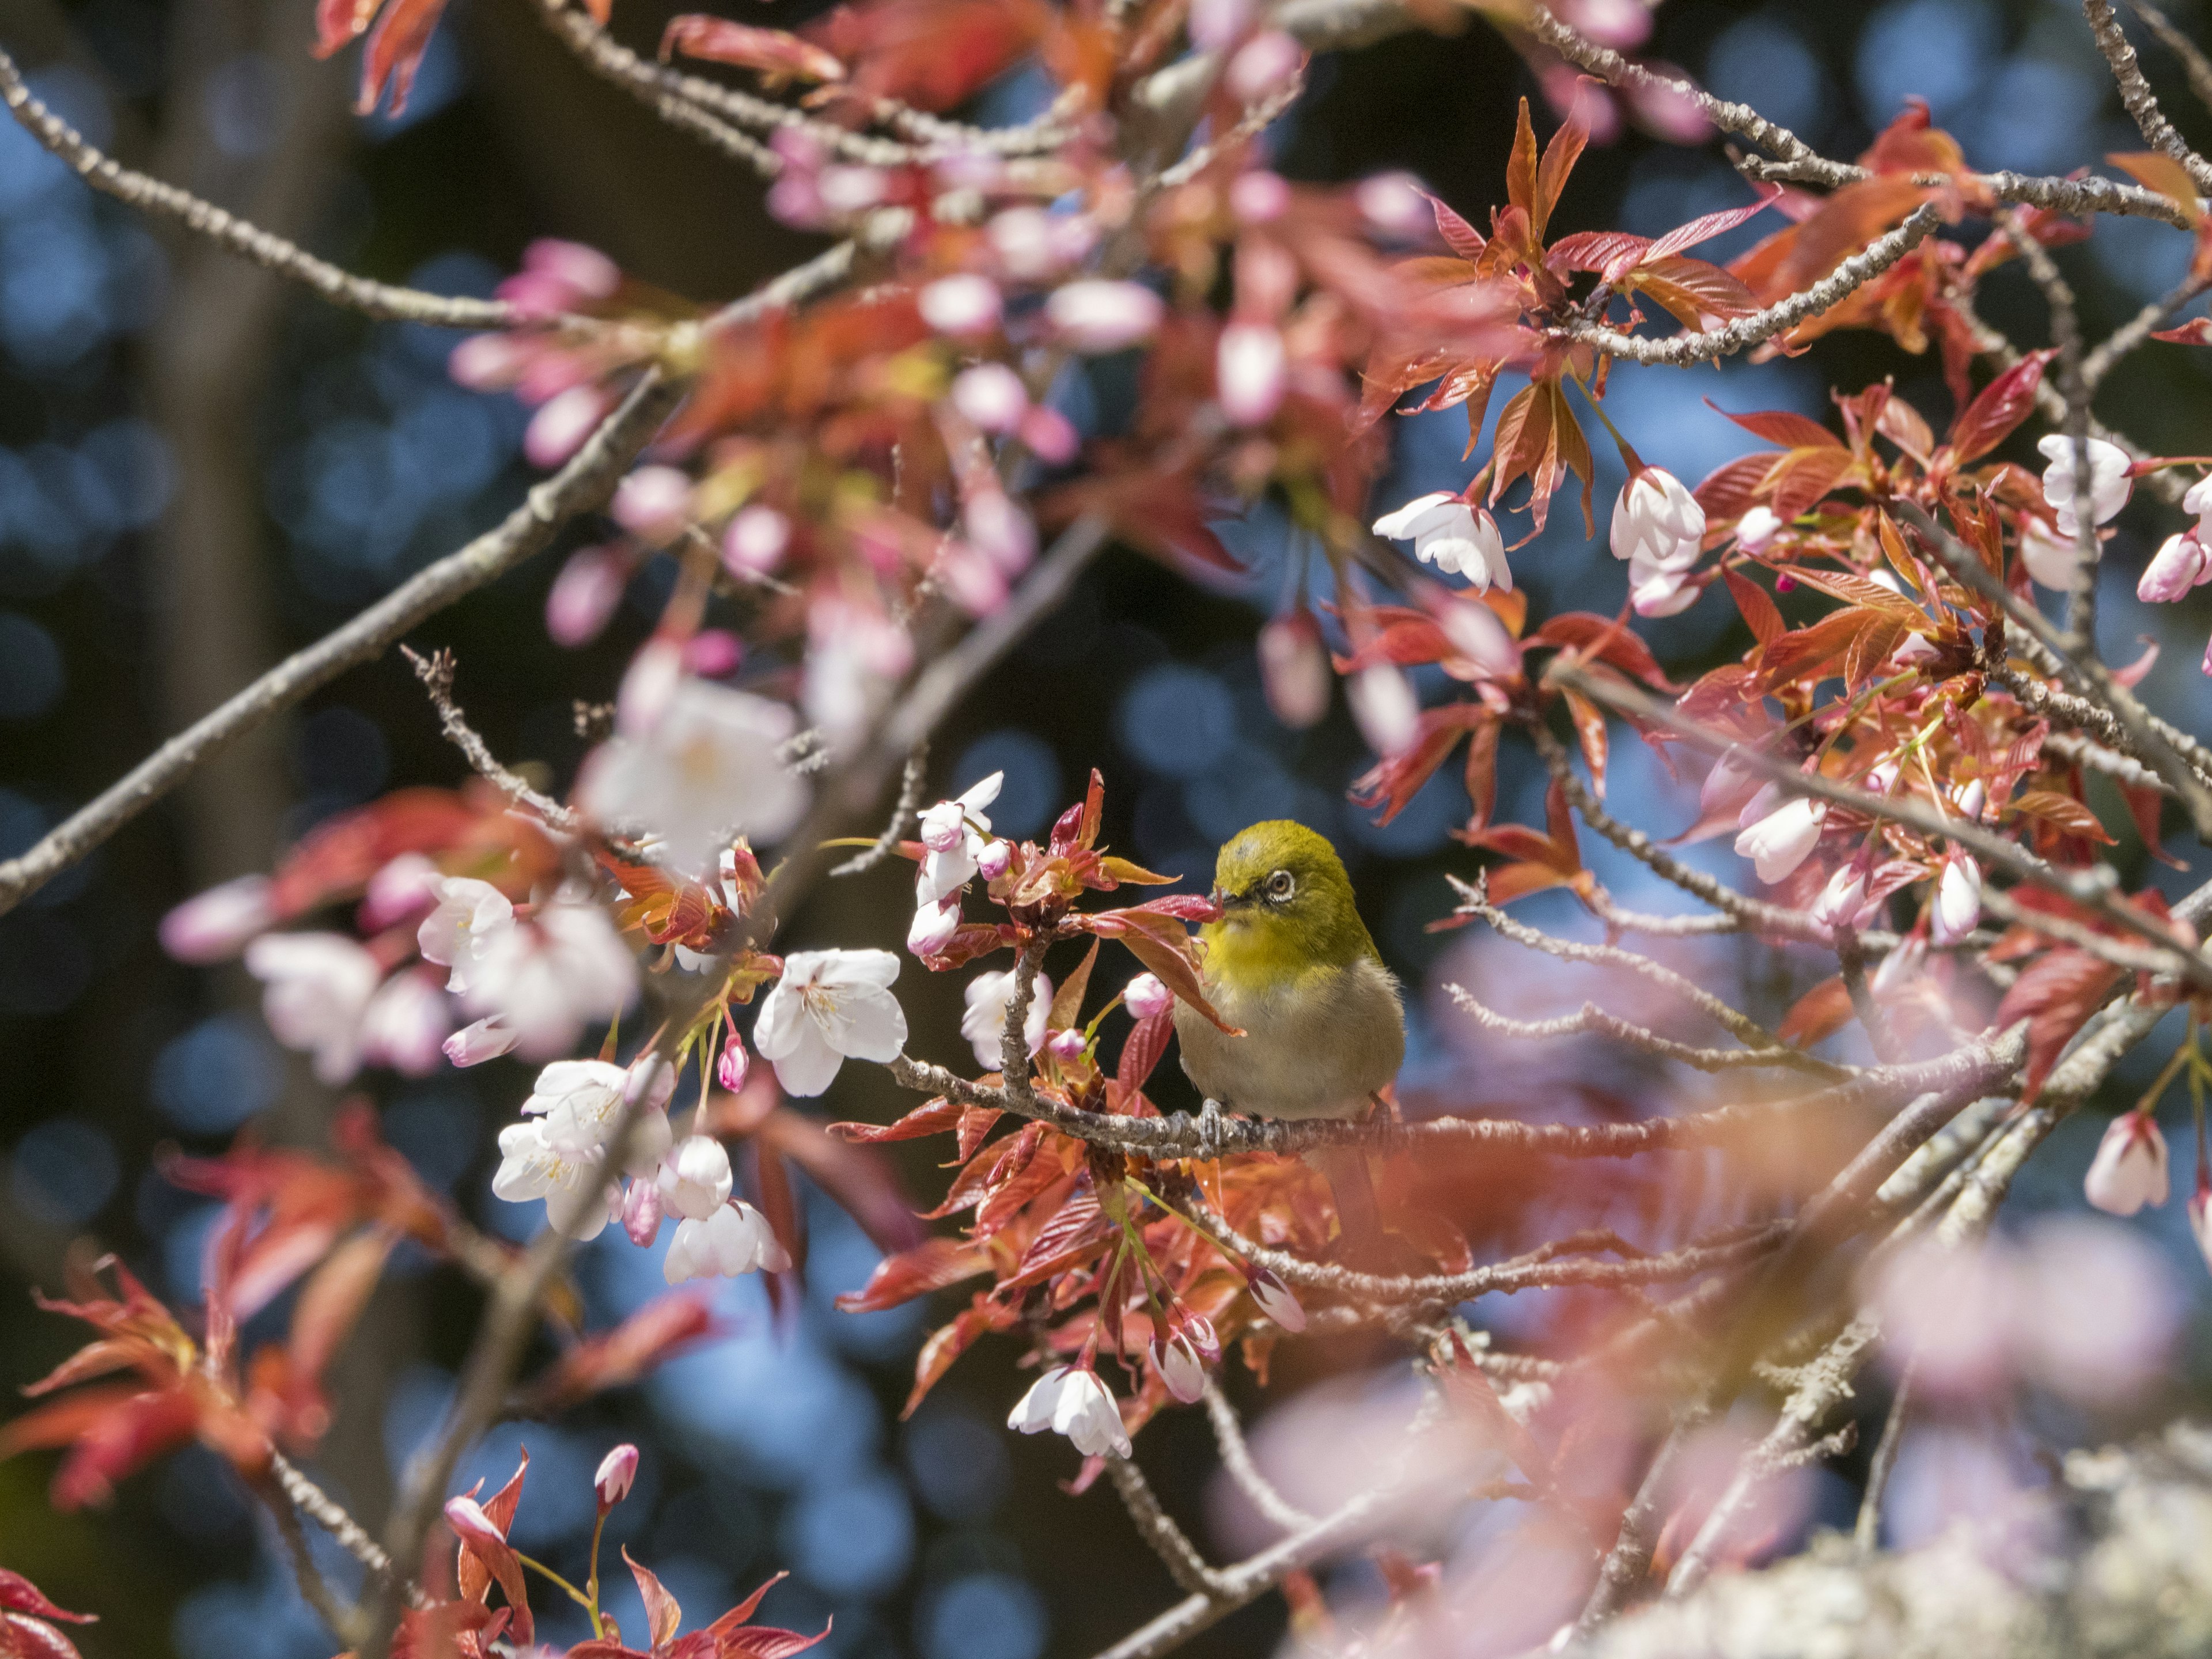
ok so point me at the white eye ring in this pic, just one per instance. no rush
(1281, 885)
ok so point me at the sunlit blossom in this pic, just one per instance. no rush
(406, 1023)
(735, 1238)
(1784, 838)
(830, 1006)
(2108, 489)
(1456, 537)
(1070, 1400)
(545, 979)
(984, 1023)
(694, 1178)
(952, 833)
(468, 924)
(1275, 1299)
(616, 1472)
(1958, 904)
(1145, 996)
(2180, 563)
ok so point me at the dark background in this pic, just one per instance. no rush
(201, 470)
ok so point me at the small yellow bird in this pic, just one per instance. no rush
(1292, 963)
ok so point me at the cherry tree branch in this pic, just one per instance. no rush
(2135, 94)
(581, 486)
(436, 673)
(1236, 1461)
(1591, 1018)
(1159, 1529)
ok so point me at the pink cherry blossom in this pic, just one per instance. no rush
(962, 305)
(1145, 996)
(1249, 372)
(1097, 317)
(561, 423)
(2180, 563)
(2129, 1170)
(1384, 707)
(215, 925)
(1275, 1299)
(654, 503)
(984, 1023)
(616, 1471)
(406, 1023)
(1294, 669)
(1784, 838)
(317, 989)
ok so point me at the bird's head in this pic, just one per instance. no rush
(1286, 902)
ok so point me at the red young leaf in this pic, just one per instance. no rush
(1706, 226)
(1142, 1049)
(1760, 614)
(930, 53)
(1820, 1013)
(777, 55)
(2001, 405)
(2055, 994)
(930, 1266)
(1460, 237)
(662, 1613)
(1781, 427)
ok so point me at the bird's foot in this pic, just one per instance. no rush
(1209, 1132)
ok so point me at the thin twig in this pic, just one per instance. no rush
(2135, 94)
(584, 483)
(1236, 1461)
(1591, 1018)
(1629, 1560)
(342, 1618)
(1867, 1534)
(2194, 64)
(1159, 1529)
(436, 673)
(909, 803)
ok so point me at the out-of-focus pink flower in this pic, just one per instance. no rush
(1727, 788)
(735, 1239)
(1568, 92)
(829, 1005)
(1456, 537)
(734, 1063)
(960, 306)
(1071, 1401)
(2180, 563)
(1180, 1367)
(317, 988)
(933, 927)
(984, 1023)
(545, 980)
(1392, 205)
(584, 596)
(1033, 246)
(1662, 592)
(1294, 669)
(1096, 316)
(2206, 665)
(486, 362)
(580, 272)
(991, 396)
(1662, 111)
(654, 503)
(487, 1039)
(405, 887)
(1954, 1311)
(640, 1212)
(2100, 1313)
(1900, 967)
(1757, 529)
(406, 1023)
(561, 423)
(1050, 436)
(1216, 24)
(212, 926)
(1259, 197)
(1384, 707)
(2106, 490)
(1476, 635)
(754, 544)
(711, 765)
(1958, 904)
(1249, 372)
(468, 922)
(713, 654)
(2129, 1170)
(1275, 1299)
(617, 1469)
(1778, 843)
(1623, 25)
(1066, 1047)
(999, 529)
(1262, 64)
(1145, 996)
(844, 190)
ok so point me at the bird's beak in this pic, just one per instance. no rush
(1228, 901)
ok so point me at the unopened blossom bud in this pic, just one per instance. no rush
(1145, 996)
(991, 396)
(1727, 788)
(713, 654)
(2198, 501)
(470, 1522)
(1050, 436)
(694, 1177)
(2129, 1170)
(584, 596)
(1216, 24)
(583, 270)
(730, 1068)
(2180, 563)
(1180, 1367)
(487, 1039)
(1757, 529)
(1204, 1339)
(1263, 63)
(933, 927)
(1096, 316)
(1392, 205)
(2105, 490)
(618, 1471)
(1957, 901)
(1275, 1299)
(1778, 843)
(218, 923)
(486, 363)
(1384, 707)
(1259, 197)
(755, 542)
(1657, 520)
(1971, 799)
(561, 423)
(654, 503)
(1294, 669)
(960, 306)
(999, 530)
(1066, 1047)
(992, 858)
(1843, 899)
(1249, 371)
(1622, 25)
(2206, 666)
(640, 1212)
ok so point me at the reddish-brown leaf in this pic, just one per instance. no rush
(930, 1266)
(777, 56)
(2062, 812)
(1820, 1013)
(1141, 1050)
(1999, 408)
(2055, 994)
(1781, 427)
(938, 1117)
(1760, 613)
(1696, 294)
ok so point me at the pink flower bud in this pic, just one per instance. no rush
(1066, 1047)
(1843, 898)
(471, 1524)
(960, 306)
(1757, 529)
(2129, 1170)
(640, 1213)
(933, 927)
(486, 362)
(1097, 317)
(1970, 801)
(991, 396)
(584, 269)
(654, 503)
(1957, 901)
(713, 654)
(729, 1070)
(583, 596)
(1778, 843)
(1203, 1336)
(1623, 25)
(487, 1039)
(617, 1470)
(558, 429)
(2179, 564)
(1179, 1367)
(1392, 204)
(1049, 435)
(999, 530)
(992, 858)
(1248, 373)
(1259, 197)
(755, 542)
(1384, 707)
(1294, 669)
(1263, 63)
(218, 923)
(1664, 112)
(1145, 996)
(1216, 24)
(1275, 1299)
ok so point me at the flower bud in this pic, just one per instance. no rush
(1275, 1299)
(654, 503)
(618, 1471)
(583, 596)
(1778, 843)
(2129, 1170)
(470, 1522)
(754, 544)
(1180, 1367)
(1097, 317)
(992, 858)
(561, 423)
(729, 1070)
(1385, 709)
(1957, 901)
(640, 1215)
(2179, 564)
(1249, 365)
(219, 922)
(1145, 996)
(1756, 529)
(933, 927)
(1294, 669)
(1263, 63)
(1066, 1047)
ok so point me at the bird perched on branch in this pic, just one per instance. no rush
(1292, 963)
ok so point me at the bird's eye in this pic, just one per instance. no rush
(1281, 885)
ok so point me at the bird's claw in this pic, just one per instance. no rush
(1209, 1132)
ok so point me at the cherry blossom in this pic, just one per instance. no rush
(1656, 521)
(933, 927)
(584, 596)
(694, 1178)
(953, 833)
(406, 1023)
(1456, 537)
(2180, 563)
(1757, 529)
(960, 305)
(711, 767)
(984, 1023)
(1783, 838)
(735, 1238)
(544, 980)
(318, 989)
(1070, 1400)
(1145, 996)
(2198, 499)
(471, 920)
(1248, 373)
(2129, 1170)
(1275, 1299)
(213, 926)
(1177, 1362)
(1384, 707)
(1294, 669)
(1958, 904)
(1842, 902)
(1097, 317)
(2108, 484)
(829, 1005)
(733, 1064)
(755, 542)
(487, 1039)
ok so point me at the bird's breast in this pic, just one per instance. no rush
(1315, 1045)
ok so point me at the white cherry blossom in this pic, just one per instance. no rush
(829, 1005)
(467, 926)
(2108, 484)
(694, 1178)
(953, 833)
(2129, 1170)
(1784, 839)
(1070, 1400)
(1456, 537)
(317, 987)
(985, 1023)
(734, 1239)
